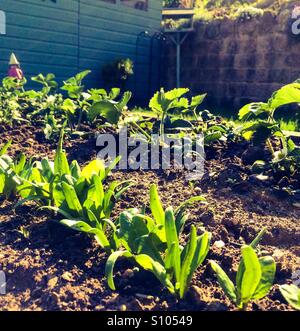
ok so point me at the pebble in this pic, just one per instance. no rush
(219, 244)
(128, 273)
(67, 276)
(52, 282)
(123, 308)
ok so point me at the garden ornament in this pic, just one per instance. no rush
(14, 68)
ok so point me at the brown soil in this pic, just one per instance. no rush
(49, 267)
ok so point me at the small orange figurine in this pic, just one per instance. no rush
(14, 68)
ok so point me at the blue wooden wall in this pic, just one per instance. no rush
(68, 36)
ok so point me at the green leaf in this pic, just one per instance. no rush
(5, 148)
(200, 254)
(286, 95)
(61, 165)
(251, 276)
(106, 109)
(187, 265)
(255, 109)
(124, 101)
(197, 100)
(72, 199)
(209, 138)
(95, 167)
(156, 268)
(172, 238)
(291, 293)
(69, 106)
(75, 169)
(190, 201)
(80, 76)
(176, 93)
(156, 206)
(202, 250)
(225, 282)
(268, 270)
(109, 267)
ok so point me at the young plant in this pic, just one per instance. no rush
(11, 172)
(11, 107)
(261, 131)
(110, 109)
(153, 244)
(163, 102)
(254, 278)
(77, 102)
(48, 82)
(86, 205)
(291, 293)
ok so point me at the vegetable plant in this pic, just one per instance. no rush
(11, 106)
(153, 244)
(254, 278)
(266, 127)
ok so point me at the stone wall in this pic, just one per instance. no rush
(237, 62)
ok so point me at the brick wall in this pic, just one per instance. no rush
(237, 62)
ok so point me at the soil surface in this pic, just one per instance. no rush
(49, 267)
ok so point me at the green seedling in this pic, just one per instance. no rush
(153, 244)
(254, 279)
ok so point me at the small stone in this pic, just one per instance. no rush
(197, 190)
(123, 308)
(129, 273)
(52, 282)
(67, 276)
(278, 254)
(296, 204)
(219, 244)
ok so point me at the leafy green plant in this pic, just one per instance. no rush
(265, 130)
(153, 243)
(76, 194)
(11, 107)
(48, 82)
(291, 293)
(11, 171)
(254, 277)
(109, 109)
(173, 103)
(87, 206)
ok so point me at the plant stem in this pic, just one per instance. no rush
(162, 127)
(269, 144)
(142, 131)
